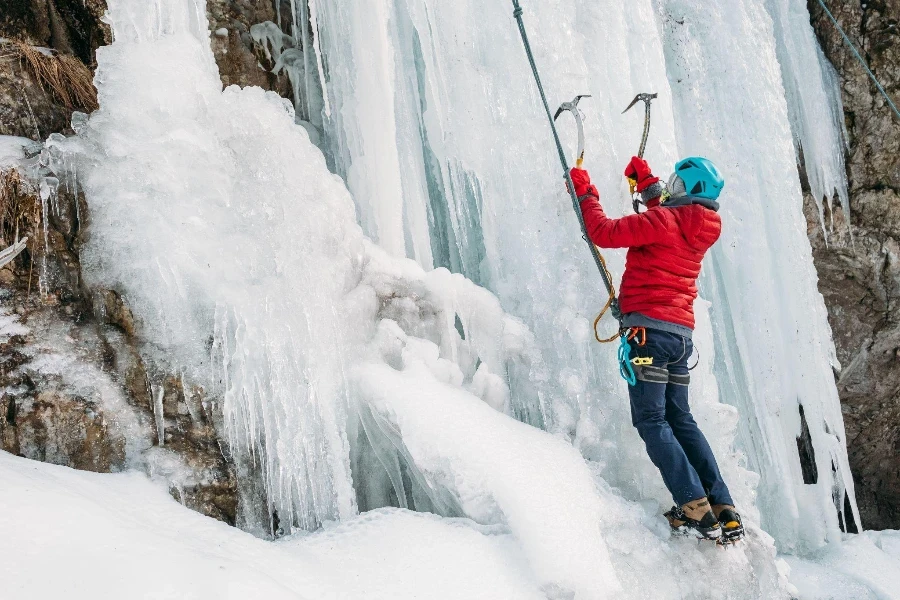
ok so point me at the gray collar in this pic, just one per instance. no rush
(672, 202)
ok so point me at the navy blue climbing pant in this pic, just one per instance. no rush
(660, 412)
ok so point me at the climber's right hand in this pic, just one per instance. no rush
(638, 170)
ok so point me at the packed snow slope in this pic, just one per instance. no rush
(415, 331)
(123, 536)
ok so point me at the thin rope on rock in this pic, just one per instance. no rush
(861, 59)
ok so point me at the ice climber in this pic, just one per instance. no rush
(666, 245)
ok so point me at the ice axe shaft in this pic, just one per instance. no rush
(579, 122)
(646, 99)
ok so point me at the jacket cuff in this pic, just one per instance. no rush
(589, 192)
(654, 191)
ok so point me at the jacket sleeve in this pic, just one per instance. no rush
(647, 228)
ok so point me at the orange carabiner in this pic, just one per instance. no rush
(640, 333)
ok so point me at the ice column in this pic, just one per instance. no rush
(771, 334)
(218, 222)
(814, 103)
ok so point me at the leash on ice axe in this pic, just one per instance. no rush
(612, 304)
(646, 99)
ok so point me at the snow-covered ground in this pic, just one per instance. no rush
(78, 535)
(72, 534)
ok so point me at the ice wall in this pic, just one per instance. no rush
(772, 339)
(433, 103)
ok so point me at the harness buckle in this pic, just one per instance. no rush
(640, 361)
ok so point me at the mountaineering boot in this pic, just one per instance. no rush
(697, 516)
(730, 521)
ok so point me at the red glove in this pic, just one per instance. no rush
(583, 186)
(639, 170)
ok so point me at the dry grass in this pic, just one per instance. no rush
(20, 208)
(64, 76)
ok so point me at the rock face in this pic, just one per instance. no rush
(859, 266)
(71, 27)
(240, 61)
(75, 389)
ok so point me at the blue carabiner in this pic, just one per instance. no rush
(625, 368)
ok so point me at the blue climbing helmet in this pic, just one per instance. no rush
(696, 177)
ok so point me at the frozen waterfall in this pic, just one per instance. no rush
(400, 333)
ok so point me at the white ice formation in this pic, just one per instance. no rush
(357, 372)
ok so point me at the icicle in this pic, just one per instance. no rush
(158, 414)
(314, 25)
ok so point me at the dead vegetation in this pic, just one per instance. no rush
(63, 75)
(20, 208)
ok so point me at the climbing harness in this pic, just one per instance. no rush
(646, 99)
(860, 59)
(579, 123)
(612, 304)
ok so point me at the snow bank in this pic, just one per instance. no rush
(121, 536)
(866, 566)
(500, 471)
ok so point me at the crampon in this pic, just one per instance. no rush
(708, 529)
(732, 527)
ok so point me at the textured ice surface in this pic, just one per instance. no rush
(499, 471)
(440, 136)
(353, 375)
(11, 149)
(814, 103)
(772, 339)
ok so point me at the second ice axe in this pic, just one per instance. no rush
(646, 99)
(579, 122)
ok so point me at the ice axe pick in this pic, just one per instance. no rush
(646, 99)
(579, 122)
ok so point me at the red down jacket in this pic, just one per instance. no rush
(665, 248)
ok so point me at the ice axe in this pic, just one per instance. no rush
(646, 99)
(579, 122)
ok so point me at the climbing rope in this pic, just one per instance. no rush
(611, 302)
(860, 59)
(626, 370)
